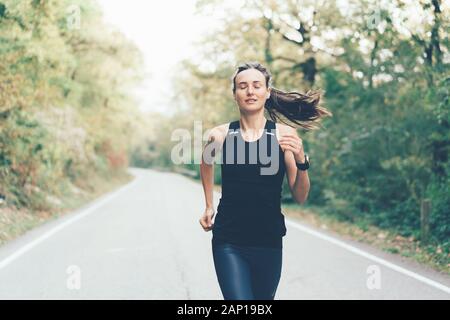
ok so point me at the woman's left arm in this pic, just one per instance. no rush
(298, 180)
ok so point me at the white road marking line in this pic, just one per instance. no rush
(61, 226)
(390, 265)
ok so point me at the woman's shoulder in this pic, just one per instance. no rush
(219, 132)
(284, 129)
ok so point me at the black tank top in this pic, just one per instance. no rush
(249, 210)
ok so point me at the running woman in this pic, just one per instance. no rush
(256, 154)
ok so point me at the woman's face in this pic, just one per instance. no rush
(251, 91)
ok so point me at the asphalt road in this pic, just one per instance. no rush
(144, 241)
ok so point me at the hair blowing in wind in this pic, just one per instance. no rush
(302, 109)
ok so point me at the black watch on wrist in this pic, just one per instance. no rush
(303, 166)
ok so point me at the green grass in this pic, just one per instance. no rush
(17, 221)
(390, 241)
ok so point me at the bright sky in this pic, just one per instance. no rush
(164, 31)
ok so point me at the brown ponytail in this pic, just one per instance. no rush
(301, 109)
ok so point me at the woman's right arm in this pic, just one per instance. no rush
(207, 176)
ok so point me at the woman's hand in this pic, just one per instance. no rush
(206, 219)
(292, 142)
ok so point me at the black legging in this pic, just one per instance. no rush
(247, 273)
